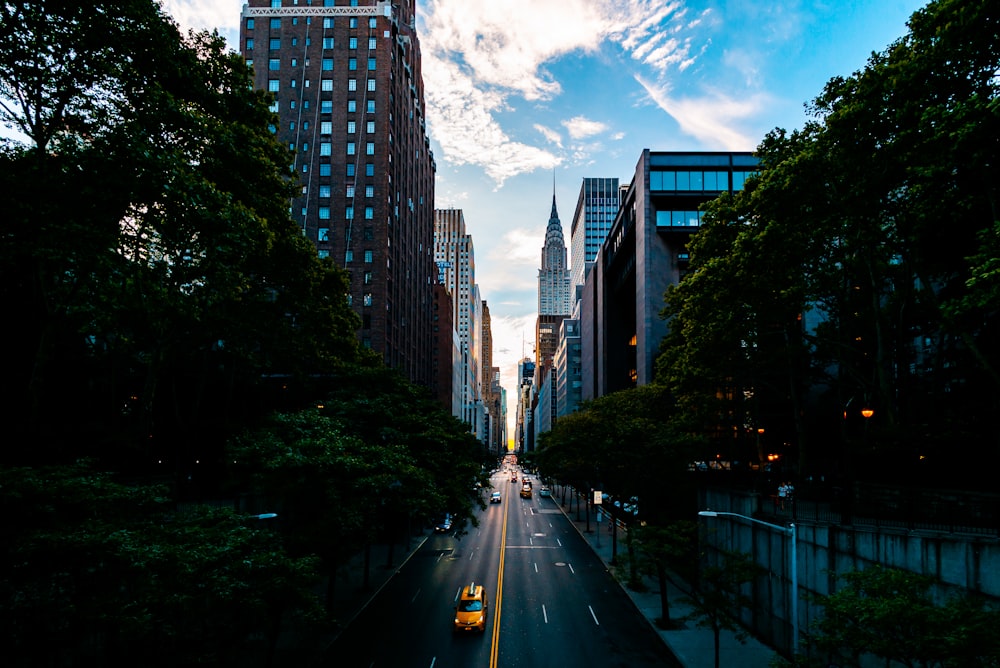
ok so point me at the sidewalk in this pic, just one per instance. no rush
(693, 646)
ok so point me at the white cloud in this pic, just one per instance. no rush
(580, 127)
(200, 15)
(712, 118)
(478, 57)
(551, 136)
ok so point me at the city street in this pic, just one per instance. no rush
(550, 599)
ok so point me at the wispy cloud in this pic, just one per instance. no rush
(712, 118)
(480, 59)
(580, 127)
(551, 136)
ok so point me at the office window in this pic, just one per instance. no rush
(369, 233)
(325, 127)
(370, 148)
(352, 127)
(327, 42)
(352, 43)
(350, 148)
(249, 44)
(350, 192)
(324, 192)
(368, 278)
(326, 85)
(369, 191)
(275, 45)
(368, 295)
(324, 213)
(352, 64)
(369, 256)
(273, 85)
(369, 212)
(328, 22)
(350, 169)
(371, 84)
(352, 84)
(349, 213)
(326, 106)
(324, 169)
(291, 126)
(371, 127)
(274, 64)
(327, 64)
(352, 106)
(292, 83)
(324, 253)
(353, 22)
(371, 106)
(249, 24)
(305, 147)
(325, 148)
(275, 3)
(372, 43)
(275, 24)
(323, 234)
(370, 169)
(349, 257)
(371, 63)
(371, 23)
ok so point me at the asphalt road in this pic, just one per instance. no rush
(551, 600)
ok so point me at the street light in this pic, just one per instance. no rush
(790, 532)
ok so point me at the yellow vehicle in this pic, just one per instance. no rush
(526, 490)
(470, 614)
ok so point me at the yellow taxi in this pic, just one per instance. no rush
(470, 613)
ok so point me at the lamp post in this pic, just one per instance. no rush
(794, 574)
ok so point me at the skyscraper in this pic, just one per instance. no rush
(349, 100)
(595, 213)
(553, 276)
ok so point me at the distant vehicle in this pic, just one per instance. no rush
(513, 478)
(495, 497)
(444, 526)
(470, 613)
(544, 491)
(526, 490)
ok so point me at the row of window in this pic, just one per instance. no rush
(274, 64)
(324, 213)
(274, 22)
(678, 218)
(697, 180)
(326, 148)
(274, 85)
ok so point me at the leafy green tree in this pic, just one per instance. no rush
(718, 596)
(665, 552)
(99, 572)
(892, 614)
(166, 279)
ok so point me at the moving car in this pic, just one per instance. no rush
(544, 491)
(526, 490)
(495, 497)
(444, 526)
(470, 613)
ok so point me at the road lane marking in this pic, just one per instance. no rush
(536, 566)
(593, 615)
(571, 569)
(415, 596)
(545, 615)
(559, 541)
(498, 597)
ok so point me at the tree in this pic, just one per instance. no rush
(167, 281)
(95, 571)
(718, 595)
(891, 614)
(664, 551)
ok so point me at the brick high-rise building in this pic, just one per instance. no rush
(348, 94)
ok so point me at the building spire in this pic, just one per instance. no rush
(555, 214)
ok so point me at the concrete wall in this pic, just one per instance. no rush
(824, 552)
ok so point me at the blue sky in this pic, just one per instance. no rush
(524, 92)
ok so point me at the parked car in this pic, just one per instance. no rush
(544, 491)
(470, 613)
(495, 497)
(444, 525)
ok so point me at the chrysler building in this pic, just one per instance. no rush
(553, 277)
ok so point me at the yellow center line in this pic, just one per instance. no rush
(495, 642)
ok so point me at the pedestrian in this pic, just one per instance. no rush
(782, 494)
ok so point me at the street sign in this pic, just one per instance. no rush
(598, 497)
